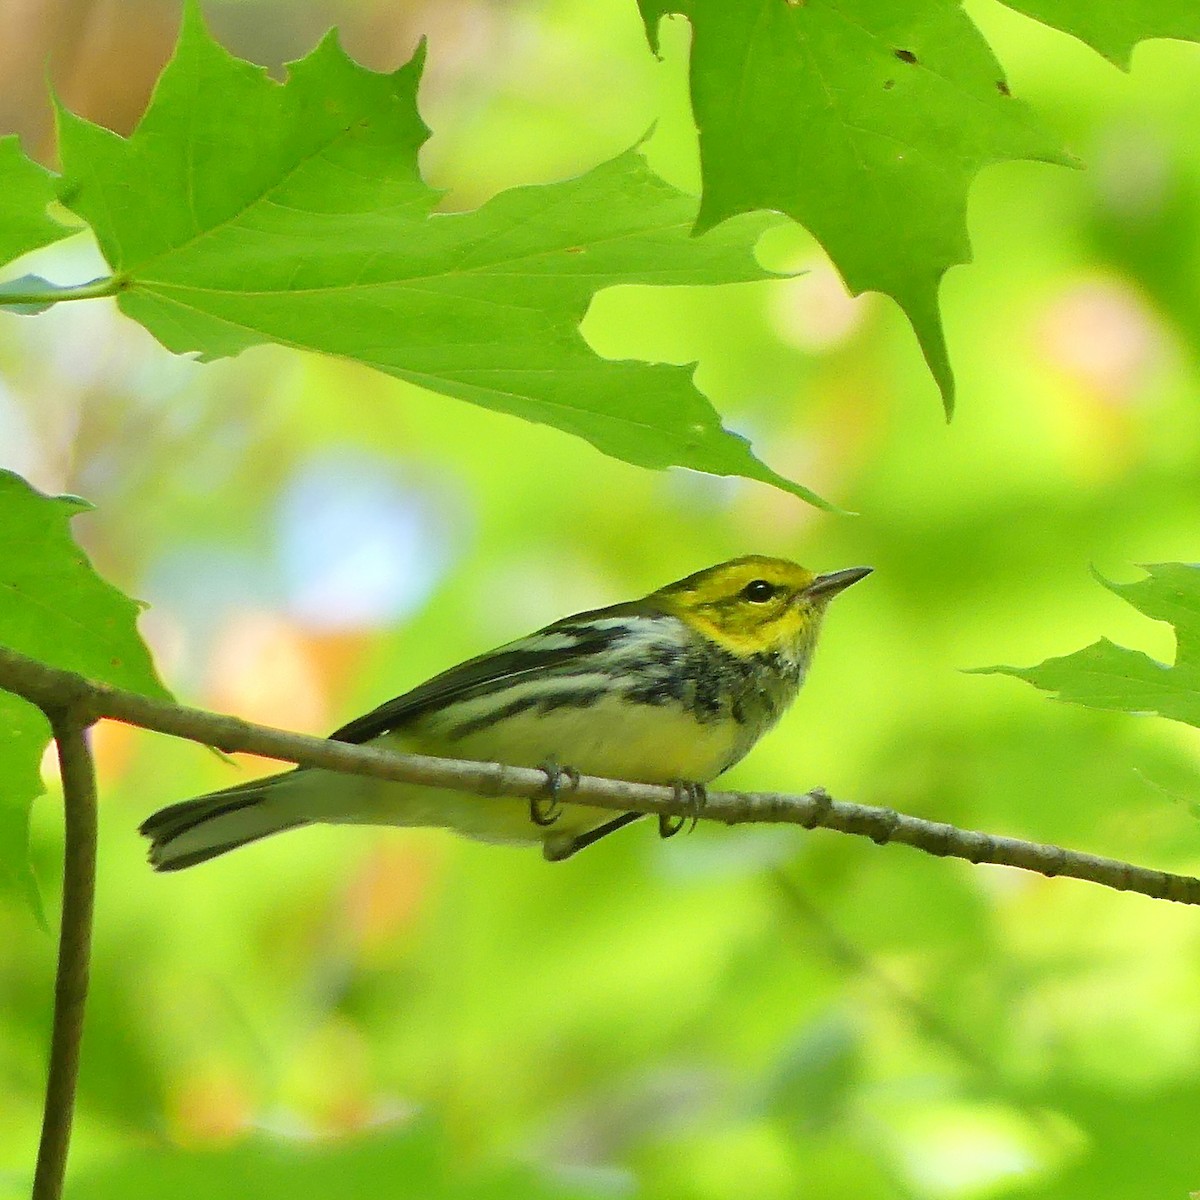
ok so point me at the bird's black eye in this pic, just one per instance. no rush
(759, 591)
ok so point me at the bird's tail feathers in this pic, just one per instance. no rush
(193, 831)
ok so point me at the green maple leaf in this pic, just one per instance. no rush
(864, 120)
(26, 190)
(242, 211)
(1105, 675)
(1114, 29)
(55, 608)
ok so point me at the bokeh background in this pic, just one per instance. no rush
(754, 1013)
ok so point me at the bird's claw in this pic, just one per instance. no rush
(694, 796)
(546, 810)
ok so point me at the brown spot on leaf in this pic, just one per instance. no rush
(1002, 88)
(888, 84)
(906, 56)
(576, 250)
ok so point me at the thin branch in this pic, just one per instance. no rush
(74, 948)
(48, 687)
(852, 958)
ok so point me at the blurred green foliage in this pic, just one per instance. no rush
(754, 1013)
(414, 1162)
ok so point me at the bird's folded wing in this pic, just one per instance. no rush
(570, 644)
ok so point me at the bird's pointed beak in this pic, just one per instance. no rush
(826, 586)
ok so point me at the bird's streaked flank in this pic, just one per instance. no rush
(672, 689)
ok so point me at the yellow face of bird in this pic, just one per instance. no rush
(756, 604)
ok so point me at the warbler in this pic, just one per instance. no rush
(671, 689)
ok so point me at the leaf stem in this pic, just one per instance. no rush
(70, 726)
(106, 285)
